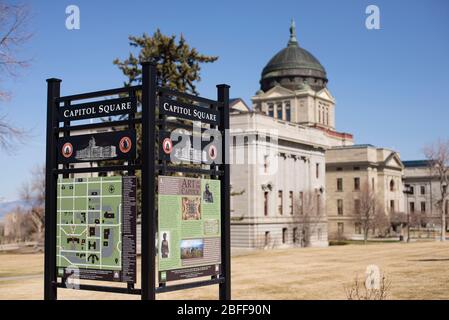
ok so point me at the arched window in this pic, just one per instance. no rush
(392, 185)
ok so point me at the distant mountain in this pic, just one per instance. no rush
(8, 206)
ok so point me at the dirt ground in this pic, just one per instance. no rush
(416, 271)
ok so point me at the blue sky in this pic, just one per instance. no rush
(391, 85)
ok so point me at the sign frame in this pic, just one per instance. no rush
(148, 164)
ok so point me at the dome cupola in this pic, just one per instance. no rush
(292, 67)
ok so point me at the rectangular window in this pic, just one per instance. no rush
(265, 164)
(423, 190)
(412, 207)
(358, 228)
(265, 203)
(295, 235)
(356, 184)
(391, 206)
(423, 207)
(271, 110)
(340, 184)
(412, 190)
(279, 111)
(280, 199)
(290, 199)
(267, 238)
(284, 235)
(288, 115)
(341, 228)
(357, 206)
(317, 170)
(340, 207)
(318, 204)
(301, 203)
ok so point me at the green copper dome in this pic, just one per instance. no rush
(292, 66)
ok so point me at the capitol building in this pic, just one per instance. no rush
(278, 162)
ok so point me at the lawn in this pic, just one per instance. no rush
(415, 270)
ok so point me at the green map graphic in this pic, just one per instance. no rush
(89, 221)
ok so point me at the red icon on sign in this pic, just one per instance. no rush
(67, 150)
(125, 144)
(213, 152)
(167, 145)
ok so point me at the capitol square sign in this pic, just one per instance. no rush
(97, 109)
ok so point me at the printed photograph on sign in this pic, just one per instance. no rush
(208, 196)
(192, 249)
(191, 208)
(164, 244)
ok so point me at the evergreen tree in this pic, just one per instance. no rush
(178, 68)
(178, 65)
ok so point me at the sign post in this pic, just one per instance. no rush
(50, 291)
(148, 169)
(90, 222)
(225, 287)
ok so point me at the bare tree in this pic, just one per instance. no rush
(14, 34)
(370, 213)
(33, 193)
(437, 155)
(310, 213)
(16, 226)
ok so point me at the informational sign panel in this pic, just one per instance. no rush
(189, 242)
(184, 147)
(188, 111)
(98, 109)
(98, 146)
(96, 228)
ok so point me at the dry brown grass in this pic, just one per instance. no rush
(416, 271)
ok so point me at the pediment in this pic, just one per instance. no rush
(393, 160)
(325, 94)
(275, 92)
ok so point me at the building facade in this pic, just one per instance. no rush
(422, 201)
(278, 154)
(352, 171)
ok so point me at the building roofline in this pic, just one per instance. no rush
(416, 163)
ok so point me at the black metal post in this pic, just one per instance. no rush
(148, 244)
(50, 277)
(225, 287)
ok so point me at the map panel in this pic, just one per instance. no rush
(96, 228)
